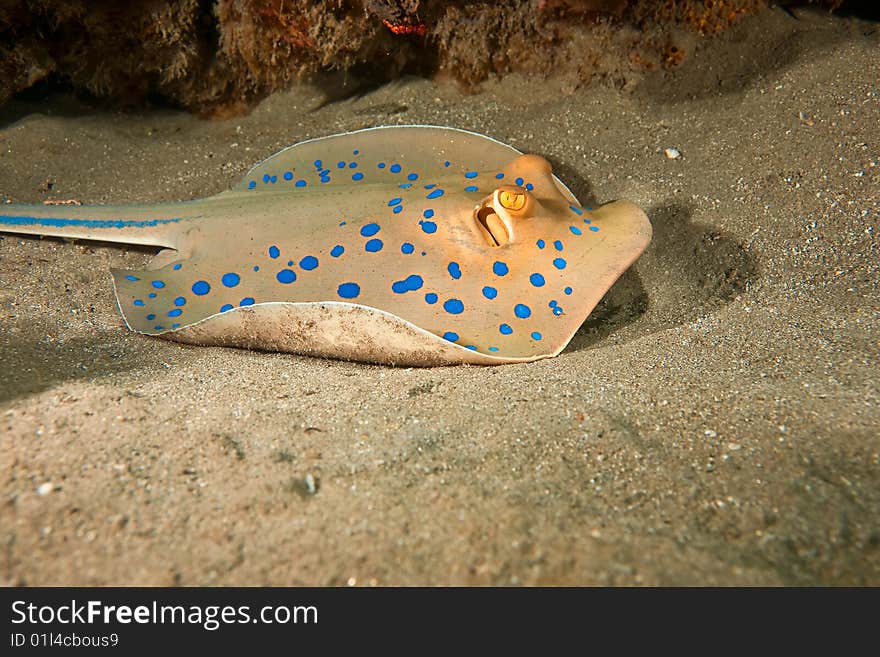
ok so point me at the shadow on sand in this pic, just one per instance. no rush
(687, 270)
(32, 364)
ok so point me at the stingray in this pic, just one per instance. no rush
(411, 245)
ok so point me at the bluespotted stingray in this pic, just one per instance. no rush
(411, 245)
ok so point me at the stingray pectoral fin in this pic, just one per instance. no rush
(333, 330)
(615, 235)
(626, 225)
(166, 298)
(391, 155)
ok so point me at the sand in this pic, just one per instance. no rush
(714, 422)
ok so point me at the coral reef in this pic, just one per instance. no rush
(219, 56)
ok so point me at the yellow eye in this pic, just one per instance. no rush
(512, 200)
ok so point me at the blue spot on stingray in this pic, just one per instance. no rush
(559, 263)
(337, 250)
(151, 317)
(557, 245)
(553, 303)
(300, 183)
(394, 202)
(519, 181)
(493, 348)
(348, 290)
(230, 279)
(340, 165)
(368, 230)
(505, 329)
(201, 288)
(274, 252)
(470, 188)
(454, 270)
(437, 193)
(407, 248)
(256, 268)
(225, 307)
(447, 163)
(405, 185)
(325, 179)
(470, 174)
(575, 230)
(522, 311)
(324, 172)
(309, 263)
(177, 266)
(490, 292)
(288, 175)
(138, 302)
(175, 312)
(286, 276)
(453, 306)
(252, 184)
(431, 186)
(353, 165)
(398, 209)
(395, 168)
(536, 335)
(158, 284)
(530, 186)
(158, 327)
(431, 298)
(499, 175)
(537, 280)
(356, 152)
(449, 335)
(471, 347)
(567, 290)
(541, 244)
(290, 263)
(381, 165)
(358, 176)
(413, 176)
(174, 326)
(247, 301)
(152, 295)
(427, 214)
(318, 164)
(342, 223)
(500, 268)
(373, 245)
(180, 301)
(409, 284)
(265, 177)
(576, 209)
(595, 229)
(274, 179)
(558, 310)
(429, 227)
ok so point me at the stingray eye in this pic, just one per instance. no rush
(497, 215)
(512, 200)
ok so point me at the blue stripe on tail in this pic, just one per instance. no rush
(86, 223)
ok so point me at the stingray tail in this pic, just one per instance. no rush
(148, 225)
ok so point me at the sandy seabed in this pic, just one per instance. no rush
(714, 422)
